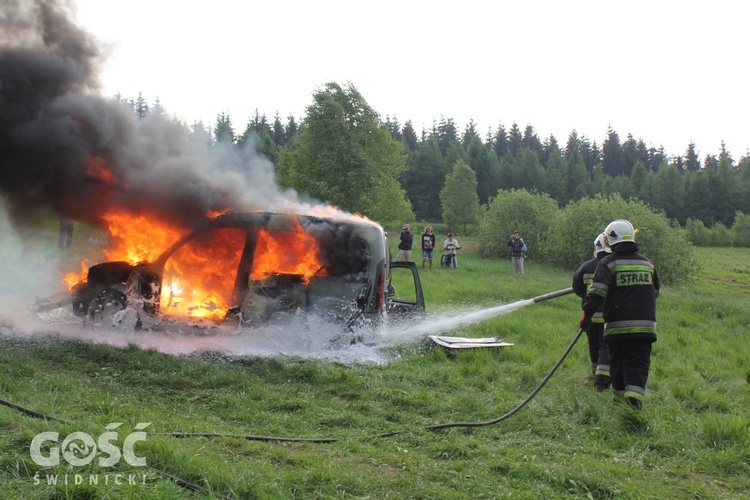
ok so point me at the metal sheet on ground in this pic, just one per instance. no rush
(468, 343)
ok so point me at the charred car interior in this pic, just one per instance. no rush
(254, 268)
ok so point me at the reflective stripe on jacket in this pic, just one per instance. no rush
(626, 284)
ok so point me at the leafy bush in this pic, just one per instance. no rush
(529, 213)
(716, 236)
(566, 236)
(720, 236)
(697, 232)
(741, 230)
(578, 224)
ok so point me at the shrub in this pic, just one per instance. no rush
(697, 232)
(578, 224)
(530, 213)
(741, 230)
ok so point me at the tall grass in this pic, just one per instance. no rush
(690, 439)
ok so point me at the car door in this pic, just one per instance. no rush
(404, 296)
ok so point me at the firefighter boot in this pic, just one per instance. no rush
(602, 382)
(602, 379)
(634, 402)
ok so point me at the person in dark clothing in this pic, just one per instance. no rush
(626, 285)
(598, 350)
(428, 245)
(404, 246)
(65, 238)
(517, 251)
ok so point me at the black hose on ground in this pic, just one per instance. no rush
(28, 412)
(333, 440)
(180, 482)
(521, 405)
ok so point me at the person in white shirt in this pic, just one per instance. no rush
(449, 252)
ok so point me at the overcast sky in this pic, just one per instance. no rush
(668, 72)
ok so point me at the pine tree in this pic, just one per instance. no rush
(290, 130)
(500, 142)
(223, 130)
(410, 136)
(278, 133)
(484, 163)
(470, 133)
(140, 106)
(515, 139)
(446, 134)
(629, 155)
(424, 179)
(157, 109)
(555, 181)
(459, 198)
(394, 127)
(692, 161)
(531, 140)
(612, 157)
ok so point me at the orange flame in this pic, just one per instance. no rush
(199, 278)
(286, 253)
(72, 279)
(139, 238)
(96, 168)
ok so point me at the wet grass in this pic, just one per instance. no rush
(690, 440)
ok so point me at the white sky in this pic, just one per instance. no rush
(668, 72)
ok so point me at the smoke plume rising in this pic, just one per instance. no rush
(67, 150)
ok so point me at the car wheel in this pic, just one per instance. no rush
(108, 310)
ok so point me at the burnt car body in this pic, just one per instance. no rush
(351, 288)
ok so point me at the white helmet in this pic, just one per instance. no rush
(600, 245)
(619, 231)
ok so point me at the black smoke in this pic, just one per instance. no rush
(58, 135)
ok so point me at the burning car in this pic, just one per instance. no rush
(253, 268)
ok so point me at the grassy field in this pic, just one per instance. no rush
(689, 441)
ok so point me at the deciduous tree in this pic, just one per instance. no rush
(459, 198)
(345, 155)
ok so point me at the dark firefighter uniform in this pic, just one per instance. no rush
(598, 349)
(626, 284)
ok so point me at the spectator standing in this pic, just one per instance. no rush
(517, 251)
(449, 252)
(598, 350)
(405, 244)
(65, 238)
(627, 285)
(428, 244)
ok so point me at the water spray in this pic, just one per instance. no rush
(430, 328)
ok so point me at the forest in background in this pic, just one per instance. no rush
(698, 193)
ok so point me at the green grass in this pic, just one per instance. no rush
(689, 441)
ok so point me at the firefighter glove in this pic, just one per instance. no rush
(585, 321)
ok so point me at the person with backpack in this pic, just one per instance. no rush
(517, 251)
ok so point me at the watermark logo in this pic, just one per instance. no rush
(80, 448)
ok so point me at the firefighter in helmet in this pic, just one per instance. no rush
(598, 350)
(626, 285)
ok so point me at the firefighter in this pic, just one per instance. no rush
(627, 285)
(598, 350)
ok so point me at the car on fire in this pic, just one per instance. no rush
(253, 268)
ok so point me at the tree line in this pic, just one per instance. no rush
(342, 152)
